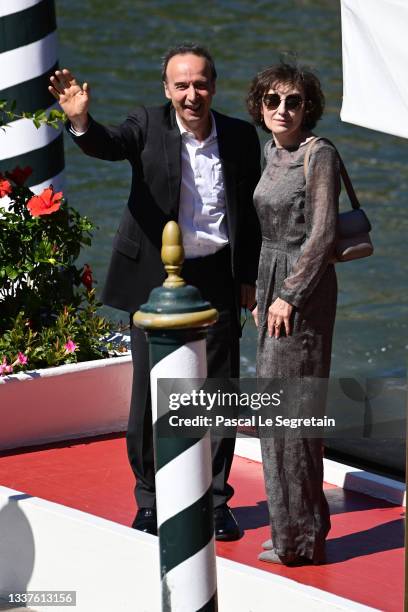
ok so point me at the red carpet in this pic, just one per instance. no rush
(365, 546)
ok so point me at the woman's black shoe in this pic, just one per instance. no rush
(146, 520)
(225, 526)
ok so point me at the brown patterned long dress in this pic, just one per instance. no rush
(299, 231)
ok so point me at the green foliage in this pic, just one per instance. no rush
(40, 117)
(47, 305)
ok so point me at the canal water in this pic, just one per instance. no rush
(117, 45)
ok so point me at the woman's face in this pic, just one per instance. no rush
(283, 109)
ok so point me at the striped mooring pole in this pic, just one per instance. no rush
(176, 319)
(28, 56)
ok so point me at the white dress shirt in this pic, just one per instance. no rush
(202, 214)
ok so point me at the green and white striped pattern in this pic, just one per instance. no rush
(183, 491)
(28, 55)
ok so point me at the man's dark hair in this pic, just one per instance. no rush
(290, 74)
(184, 49)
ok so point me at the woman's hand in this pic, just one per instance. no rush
(279, 312)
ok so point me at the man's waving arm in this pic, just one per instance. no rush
(110, 143)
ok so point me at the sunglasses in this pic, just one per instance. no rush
(292, 101)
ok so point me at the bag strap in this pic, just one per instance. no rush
(343, 172)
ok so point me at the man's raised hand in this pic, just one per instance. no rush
(73, 99)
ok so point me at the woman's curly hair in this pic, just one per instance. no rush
(293, 75)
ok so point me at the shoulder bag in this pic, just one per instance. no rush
(353, 226)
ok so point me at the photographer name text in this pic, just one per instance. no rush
(255, 420)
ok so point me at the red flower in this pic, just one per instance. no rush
(86, 277)
(19, 175)
(5, 187)
(45, 203)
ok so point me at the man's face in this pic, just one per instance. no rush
(190, 88)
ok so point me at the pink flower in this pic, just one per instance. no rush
(5, 368)
(22, 359)
(70, 347)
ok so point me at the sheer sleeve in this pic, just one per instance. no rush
(321, 211)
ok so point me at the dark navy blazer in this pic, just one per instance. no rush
(150, 140)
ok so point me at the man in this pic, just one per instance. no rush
(200, 168)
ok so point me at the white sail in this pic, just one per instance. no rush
(375, 61)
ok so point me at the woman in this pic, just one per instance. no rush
(296, 295)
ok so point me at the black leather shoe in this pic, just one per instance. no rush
(225, 526)
(146, 520)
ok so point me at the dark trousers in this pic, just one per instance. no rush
(212, 276)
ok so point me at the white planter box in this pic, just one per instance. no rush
(69, 401)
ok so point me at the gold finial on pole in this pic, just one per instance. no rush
(168, 309)
(172, 254)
